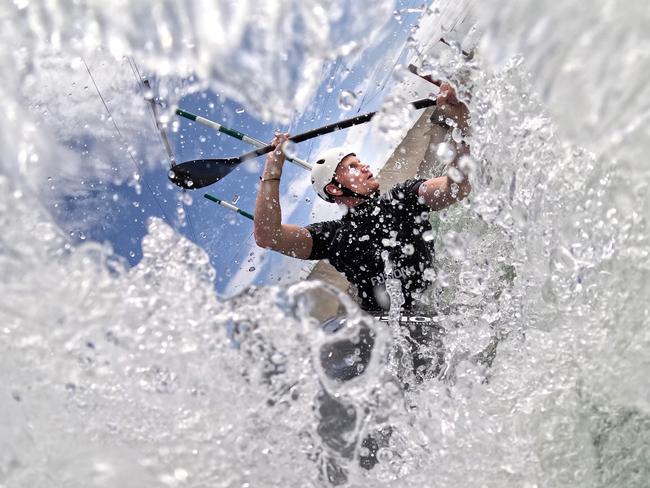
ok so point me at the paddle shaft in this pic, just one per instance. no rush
(199, 173)
(236, 134)
(328, 129)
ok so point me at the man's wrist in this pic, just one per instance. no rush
(268, 174)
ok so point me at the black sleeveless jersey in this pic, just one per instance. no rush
(393, 222)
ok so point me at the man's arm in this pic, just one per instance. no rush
(269, 230)
(439, 193)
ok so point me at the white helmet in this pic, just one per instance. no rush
(323, 170)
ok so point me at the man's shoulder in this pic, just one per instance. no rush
(403, 189)
(325, 227)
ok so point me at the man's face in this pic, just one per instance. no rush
(355, 175)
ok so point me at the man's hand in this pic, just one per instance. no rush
(275, 159)
(449, 107)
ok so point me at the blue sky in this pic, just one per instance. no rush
(117, 214)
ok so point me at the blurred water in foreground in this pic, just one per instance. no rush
(117, 376)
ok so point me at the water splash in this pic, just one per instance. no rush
(143, 377)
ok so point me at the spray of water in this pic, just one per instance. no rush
(118, 376)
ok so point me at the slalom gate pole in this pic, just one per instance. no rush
(228, 205)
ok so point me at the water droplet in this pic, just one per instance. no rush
(307, 199)
(445, 153)
(347, 100)
(455, 174)
(251, 269)
(239, 110)
(384, 455)
(289, 149)
(180, 474)
(467, 164)
(457, 134)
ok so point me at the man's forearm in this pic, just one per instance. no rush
(268, 213)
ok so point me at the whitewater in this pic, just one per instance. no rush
(130, 376)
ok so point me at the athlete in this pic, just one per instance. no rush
(377, 230)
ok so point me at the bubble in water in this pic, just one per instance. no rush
(408, 249)
(186, 198)
(445, 153)
(384, 455)
(239, 110)
(289, 149)
(251, 269)
(457, 134)
(347, 100)
(234, 199)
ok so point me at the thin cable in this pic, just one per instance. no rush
(144, 84)
(110, 115)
